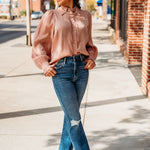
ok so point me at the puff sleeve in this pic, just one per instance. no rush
(91, 48)
(41, 49)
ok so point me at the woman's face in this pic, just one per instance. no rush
(63, 2)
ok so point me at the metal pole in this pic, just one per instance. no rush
(28, 23)
(10, 10)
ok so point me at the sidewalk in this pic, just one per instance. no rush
(117, 114)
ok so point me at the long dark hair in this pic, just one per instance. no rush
(76, 2)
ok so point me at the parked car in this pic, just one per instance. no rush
(37, 15)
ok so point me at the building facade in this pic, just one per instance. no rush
(131, 24)
(4, 7)
(13, 7)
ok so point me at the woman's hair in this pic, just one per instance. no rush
(76, 2)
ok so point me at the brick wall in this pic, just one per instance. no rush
(135, 31)
(35, 5)
(22, 5)
(146, 51)
(137, 50)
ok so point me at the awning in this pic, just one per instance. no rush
(99, 1)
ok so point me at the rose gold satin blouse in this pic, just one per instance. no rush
(62, 32)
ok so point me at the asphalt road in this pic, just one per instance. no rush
(10, 30)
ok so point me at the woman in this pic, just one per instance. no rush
(64, 50)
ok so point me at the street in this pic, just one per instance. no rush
(14, 29)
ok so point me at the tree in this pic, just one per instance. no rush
(52, 4)
(91, 5)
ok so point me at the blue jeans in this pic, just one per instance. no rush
(70, 84)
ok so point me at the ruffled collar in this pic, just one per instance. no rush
(68, 10)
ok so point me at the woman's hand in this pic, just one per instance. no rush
(51, 72)
(90, 64)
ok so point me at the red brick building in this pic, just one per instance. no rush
(132, 30)
(36, 5)
(13, 7)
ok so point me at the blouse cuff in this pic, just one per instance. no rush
(93, 52)
(45, 67)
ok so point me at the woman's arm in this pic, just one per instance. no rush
(41, 49)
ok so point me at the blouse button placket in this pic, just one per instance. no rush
(74, 32)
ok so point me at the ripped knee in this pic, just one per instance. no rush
(75, 122)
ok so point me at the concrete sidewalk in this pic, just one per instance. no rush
(116, 114)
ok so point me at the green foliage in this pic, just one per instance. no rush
(3, 17)
(91, 5)
(23, 12)
(52, 4)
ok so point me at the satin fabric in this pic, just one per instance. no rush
(60, 33)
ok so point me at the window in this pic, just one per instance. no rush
(123, 19)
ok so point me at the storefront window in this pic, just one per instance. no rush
(123, 19)
(112, 7)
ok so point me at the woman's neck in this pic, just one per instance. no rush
(69, 4)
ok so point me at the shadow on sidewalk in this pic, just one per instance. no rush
(110, 59)
(119, 139)
(58, 108)
(107, 60)
(13, 31)
(116, 138)
(21, 75)
(122, 139)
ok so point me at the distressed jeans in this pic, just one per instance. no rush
(70, 84)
